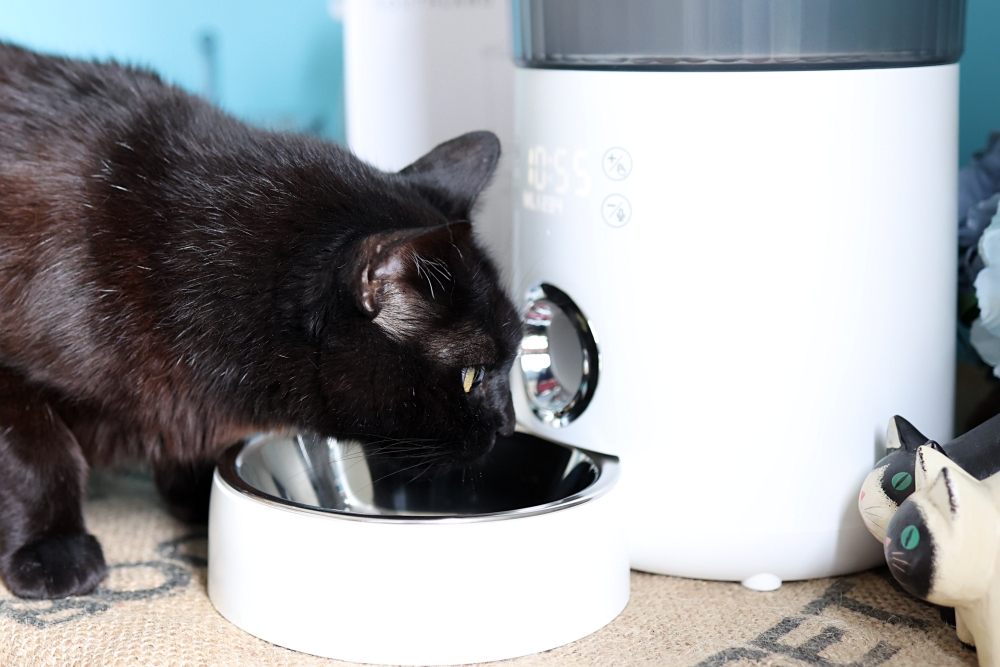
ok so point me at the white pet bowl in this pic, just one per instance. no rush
(311, 547)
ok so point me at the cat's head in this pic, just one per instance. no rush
(941, 545)
(892, 479)
(417, 350)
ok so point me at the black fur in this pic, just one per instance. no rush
(172, 280)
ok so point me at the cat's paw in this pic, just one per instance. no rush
(55, 567)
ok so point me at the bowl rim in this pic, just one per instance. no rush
(608, 471)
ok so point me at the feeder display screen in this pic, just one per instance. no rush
(551, 174)
(558, 171)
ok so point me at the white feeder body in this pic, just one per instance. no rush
(766, 260)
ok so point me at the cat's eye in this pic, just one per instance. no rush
(472, 376)
(901, 481)
(910, 537)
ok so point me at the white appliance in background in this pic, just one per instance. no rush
(735, 236)
(419, 72)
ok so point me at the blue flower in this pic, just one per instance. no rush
(979, 256)
(985, 331)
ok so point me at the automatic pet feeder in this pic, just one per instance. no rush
(735, 241)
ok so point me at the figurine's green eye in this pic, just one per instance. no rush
(910, 537)
(901, 481)
(472, 376)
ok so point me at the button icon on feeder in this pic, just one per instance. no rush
(616, 210)
(617, 164)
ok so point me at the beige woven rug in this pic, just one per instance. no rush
(153, 610)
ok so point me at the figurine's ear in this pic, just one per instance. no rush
(931, 460)
(961, 517)
(943, 494)
(453, 174)
(387, 260)
(956, 492)
(902, 434)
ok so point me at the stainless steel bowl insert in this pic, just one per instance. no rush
(523, 475)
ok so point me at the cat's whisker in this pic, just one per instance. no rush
(871, 510)
(402, 447)
(396, 472)
(366, 437)
(429, 459)
(429, 465)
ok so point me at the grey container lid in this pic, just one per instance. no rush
(737, 34)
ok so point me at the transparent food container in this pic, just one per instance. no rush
(737, 34)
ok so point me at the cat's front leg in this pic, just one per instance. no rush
(186, 488)
(45, 550)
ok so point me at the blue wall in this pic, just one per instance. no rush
(980, 96)
(278, 63)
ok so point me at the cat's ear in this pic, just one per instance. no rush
(453, 174)
(901, 434)
(386, 261)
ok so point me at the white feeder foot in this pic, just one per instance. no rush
(762, 582)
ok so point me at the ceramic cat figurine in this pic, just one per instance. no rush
(172, 280)
(892, 480)
(943, 545)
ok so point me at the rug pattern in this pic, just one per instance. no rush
(153, 610)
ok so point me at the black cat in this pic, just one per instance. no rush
(172, 280)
